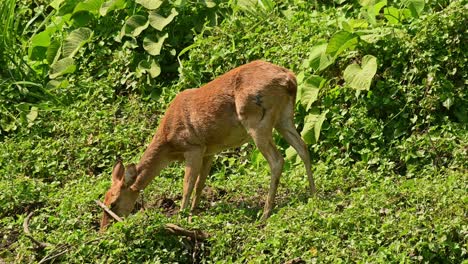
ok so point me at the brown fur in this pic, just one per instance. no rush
(244, 103)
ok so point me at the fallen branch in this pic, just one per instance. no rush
(47, 258)
(109, 211)
(39, 244)
(193, 234)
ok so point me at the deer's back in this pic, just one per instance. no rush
(210, 115)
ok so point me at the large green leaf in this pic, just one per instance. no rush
(314, 55)
(41, 39)
(134, 26)
(312, 126)
(325, 61)
(267, 5)
(153, 45)
(151, 67)
(38, 45)
(75, 40)
(32, 114)
(210, 3)
(92, 6)
(378, 6)
(309, 90)
(357, 23)
(318, 59)
(291, 155)
(159, 22)
(110, 5)
(61, 67)
(360, 77)
(53, 52)
(340, 42)
(56, 4)
(393, 15)
(374, 35)
(150, 4)
(373, 10)
(416, 7)
(366, 2)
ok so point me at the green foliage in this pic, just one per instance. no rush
(66, 34)
(381, 104)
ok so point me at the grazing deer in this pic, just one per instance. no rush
(244, 103)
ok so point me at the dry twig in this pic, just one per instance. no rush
(109, 211)
(197, 235)
(39, 244)
(60, 253)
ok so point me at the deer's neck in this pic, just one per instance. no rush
(151, 163)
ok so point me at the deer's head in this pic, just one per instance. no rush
(120, 198)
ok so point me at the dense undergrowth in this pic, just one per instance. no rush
(382, 104)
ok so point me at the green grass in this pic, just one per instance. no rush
(358, 215)
(390, 164)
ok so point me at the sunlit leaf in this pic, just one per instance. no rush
(373, 10)
(32, 114)
(345, 25)
(53, 51)
(150, 4)
(151, 67)
(61, 67)
(56, 4)
(75, 40)
(325, 61)
(393, 15)
(291, 155)
(41, 39)
(366, 2)
(378, 6)
(134, 26)
(358, 23)
(309, 90)
(154, 70)
(375, 35)
(159, 22)
(318, 124)
(448, 103)
(57, 83)
(88, 5)
(360, 77)
(108, 6)
(210, 3)
(340, 42)
(153, 45)
(267, 5)
(416, 7)
(313, 125)
(318, 59)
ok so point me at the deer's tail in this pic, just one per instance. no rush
(292, 85)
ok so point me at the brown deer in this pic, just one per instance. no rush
(244, 103)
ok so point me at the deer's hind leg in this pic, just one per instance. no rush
(286, 128)
(259, 122)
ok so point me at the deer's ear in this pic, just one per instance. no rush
(118, 172)
(130, 174)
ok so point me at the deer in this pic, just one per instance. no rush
(244, 104)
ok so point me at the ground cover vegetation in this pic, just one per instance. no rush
(382, 104)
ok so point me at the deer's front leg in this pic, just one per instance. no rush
(193, 165)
